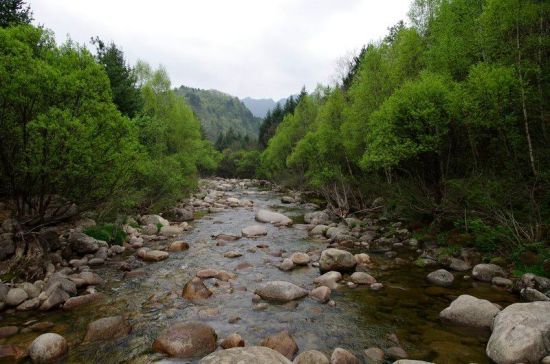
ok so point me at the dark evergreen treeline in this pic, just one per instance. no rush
(446, 117)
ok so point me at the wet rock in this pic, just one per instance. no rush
(207, 273)
(181, 214)
(362, 259)
(16, 296)
(83, 244)
(7, 331)
(286, 265)
(41, 326)
(318, 230)
(62, 282)
(530, 280)
(90, 278)
(317, 218)
(28, 305)
(374, 356)
(32, 290)
(247, 355)
(329, 279)
(283, 343)
(78, 301)
(396, 353)
(232, 254)
(195, 289)
(56, 297)
(362, 278)
(336, 260)
(458, 265)
(486, 272)
(48, 348)
(153, 220)
(441, 277)
(273, 218)
(320, 294)
(342, 356)
(300, 258)
(311, 357)
(178, 246)
(152, 255)
(502, 282)
(225, 276)
(532, 295)
(287, 200)
(254, 230)
(186, 340)
(11, 352)
(232, 341)
(280, 291)
(107, 328)
(95, 262)
(470, 311)
(171, 231)
(134, 273)
(520, 334)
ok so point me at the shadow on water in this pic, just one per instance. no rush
(407, 305)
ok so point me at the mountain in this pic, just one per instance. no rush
(218, 112)
(259, 107)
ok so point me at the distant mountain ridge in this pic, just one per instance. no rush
(260, 107)
(219, 112)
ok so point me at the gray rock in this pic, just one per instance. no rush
(186, 340)
(280, 291)
(320, 294)
(458, 265)
(486, 272)
(272, 217)
(318, 230)
(317, 218)
(254, 230)
(48, 348)
(16, 296)
(107, 328)
(470, 311)
(532, 295)
(374, 356)
(84, 244)
(246, 355)
(283, 343)
(342, 356)
(3, 291)
(362, 278)
(336, 260)
(286, 265)
(171, 231)
(329, 279)
(56, 297)
(441, 278)
(153, 220)
(300, 258)
(521, 334)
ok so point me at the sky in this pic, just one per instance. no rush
(255, 48)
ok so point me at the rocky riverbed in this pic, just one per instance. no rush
(261, 277)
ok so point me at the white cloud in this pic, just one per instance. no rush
(243, 47)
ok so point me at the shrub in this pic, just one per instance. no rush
(110, 233)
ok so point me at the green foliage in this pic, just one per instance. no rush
(238, 164)
(110, 233)
(274, 117)
(14, 12)
(487, 238)
(219, 113)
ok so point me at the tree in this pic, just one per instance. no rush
(14, 12)
(123, 79)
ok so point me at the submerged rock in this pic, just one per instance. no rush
(441, 277)
(470, 311)
(280, 291)
(186, 340)
(107, 328)
(283, 343)
(195, 289)
(247, 355)
(521, 334)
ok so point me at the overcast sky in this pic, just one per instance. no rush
(262, 49)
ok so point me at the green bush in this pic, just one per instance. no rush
(110, 233)
(487, 238)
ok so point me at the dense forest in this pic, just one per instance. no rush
(220, 113)
(81, 126)
(446, 118)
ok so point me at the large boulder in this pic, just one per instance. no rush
(254, 230)
(441, 277)
(337, 260)
(280, 291)
(181, 214)
(311, 357)
(107, 328)
(486, 272)
(281, 342)
(48, 348)
(16, 296)
(246, 355)
(521, 334)
(470, 311)
(272, 218)
(83, 244)
(186, 340)
(153, 220)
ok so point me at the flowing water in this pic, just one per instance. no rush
(407, 306)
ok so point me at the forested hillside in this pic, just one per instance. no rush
(219, 113)
(447, 118)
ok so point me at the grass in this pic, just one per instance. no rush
(110, 233)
